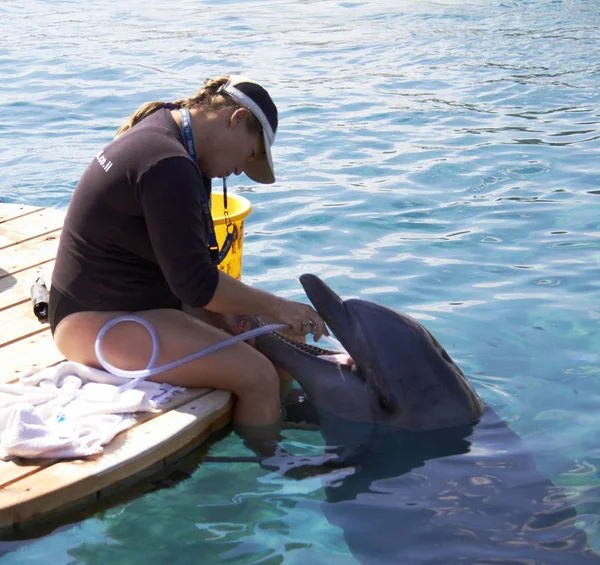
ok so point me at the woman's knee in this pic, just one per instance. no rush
(258, 401)
(260, 378)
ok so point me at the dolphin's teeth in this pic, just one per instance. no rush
(303, 347)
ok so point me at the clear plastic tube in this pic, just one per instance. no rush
(138, 376)
(142, 374)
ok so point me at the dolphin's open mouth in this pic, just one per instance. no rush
(400, 374)
(304, 347)
(333, 356)
(340, 359)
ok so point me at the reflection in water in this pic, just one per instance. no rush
(464, 495)
(390, 112)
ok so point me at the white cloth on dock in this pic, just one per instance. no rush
(37, 424)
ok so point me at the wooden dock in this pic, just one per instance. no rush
(35, 490)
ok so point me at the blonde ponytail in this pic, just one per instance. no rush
(209, 97)
(140, 114)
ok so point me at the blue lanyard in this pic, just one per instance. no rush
(216, 256)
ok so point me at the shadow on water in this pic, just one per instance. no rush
(157, 477)
(462, 495)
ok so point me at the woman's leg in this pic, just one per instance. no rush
(239, 368)
(238, 324)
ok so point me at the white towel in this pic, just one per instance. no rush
(85, 414)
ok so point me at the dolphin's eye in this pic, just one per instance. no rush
(388, 404)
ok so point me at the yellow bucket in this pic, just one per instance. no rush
(238, 208)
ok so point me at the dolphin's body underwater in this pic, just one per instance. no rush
(437, 476)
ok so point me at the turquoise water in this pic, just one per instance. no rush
(442, 158)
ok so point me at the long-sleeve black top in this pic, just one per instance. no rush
(135, 236)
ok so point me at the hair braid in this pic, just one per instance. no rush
(209, 97)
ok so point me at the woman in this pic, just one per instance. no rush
(136, 238)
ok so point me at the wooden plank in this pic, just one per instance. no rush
(37, 251)
(15, 289)
(28, 239)
(23, 228)
(32, 489)
(37, 350)
(11, 211)
(24, 342)
(11, 471)
(63, 483)
(19, 321)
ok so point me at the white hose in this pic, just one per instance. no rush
(139, 375)
(142, 374)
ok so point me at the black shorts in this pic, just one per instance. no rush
(59, 307)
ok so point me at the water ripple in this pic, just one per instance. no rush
(440, 157)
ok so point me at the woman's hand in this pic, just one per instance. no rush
(233, 296)
(236, 324)
(302, 318)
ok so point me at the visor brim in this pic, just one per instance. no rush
(261, 169)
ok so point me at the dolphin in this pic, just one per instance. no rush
(401, 375)
(431, 473)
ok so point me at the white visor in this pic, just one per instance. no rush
(253, 96)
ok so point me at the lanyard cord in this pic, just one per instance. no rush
(216, 255)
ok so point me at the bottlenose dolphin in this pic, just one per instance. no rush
(435, 476)
(401, 377)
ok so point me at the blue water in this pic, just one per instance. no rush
(442, 158)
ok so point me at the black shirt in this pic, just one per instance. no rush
(134, 236)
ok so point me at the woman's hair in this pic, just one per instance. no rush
(209, 97)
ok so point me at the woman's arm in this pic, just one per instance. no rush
(234, 297)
